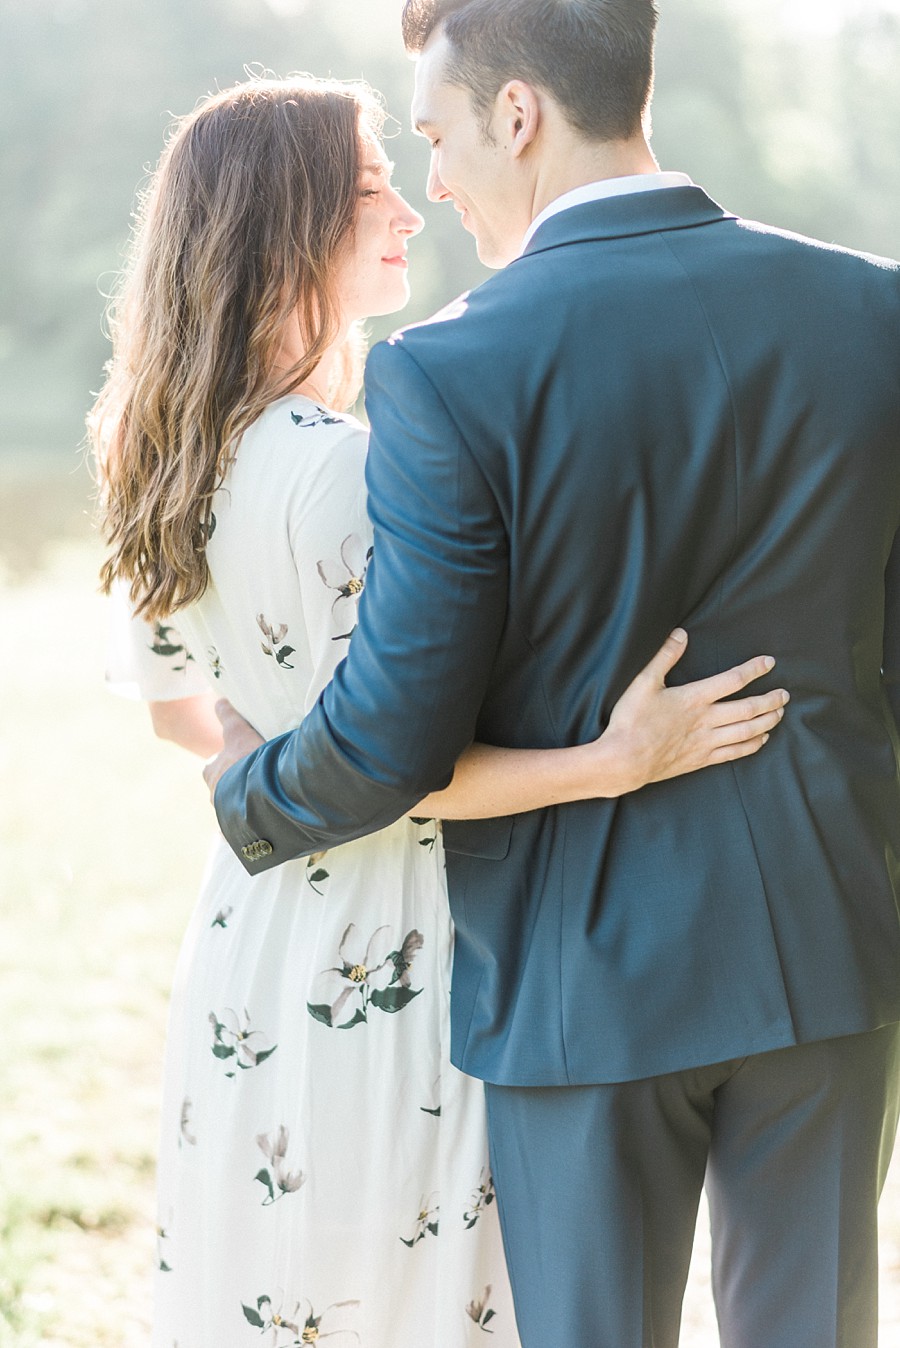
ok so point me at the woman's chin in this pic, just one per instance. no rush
(392, 301)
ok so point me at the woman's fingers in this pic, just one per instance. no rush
(738, 732)
(730, 752)
(745, 708)
(732, 681)
(667, 657)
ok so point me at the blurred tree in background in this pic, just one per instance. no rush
(789, 123)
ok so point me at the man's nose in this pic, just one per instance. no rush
(434, 188)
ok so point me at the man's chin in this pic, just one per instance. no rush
(493, 256)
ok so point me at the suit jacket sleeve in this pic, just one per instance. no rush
(891, 659)
(402, 707)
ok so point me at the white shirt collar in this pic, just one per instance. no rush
(608, 187)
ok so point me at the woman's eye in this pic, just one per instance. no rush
(369, 192)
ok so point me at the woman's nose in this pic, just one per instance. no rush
(409, 221)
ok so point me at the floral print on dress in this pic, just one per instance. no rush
(321, 417)
(434, 1109)
(185, 1133)
(163, 1235)
(276, 1175)
(482, 1198)
(222, 916)
(370, 975)
(231, 1040)
(430, 841)
(478, 1311)
(273, 638)
(168, 644)
(290, 1325)
(348, 578)
(215, 662)
(426, 1222)
(315, 871)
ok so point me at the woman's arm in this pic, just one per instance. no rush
(654, 733)
(189, 722)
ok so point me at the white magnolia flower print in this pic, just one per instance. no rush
(232, 1041)
(348, 578)
(426, 1222)
(370, 975)
(277, 1176)
(478, 1311)
(296, 1323)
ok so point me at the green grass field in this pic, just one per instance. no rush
(104, 835)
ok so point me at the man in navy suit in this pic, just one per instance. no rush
(656, 413)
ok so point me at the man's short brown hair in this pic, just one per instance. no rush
(594, 57)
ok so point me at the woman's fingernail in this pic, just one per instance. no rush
(769, 661)
(679, 635)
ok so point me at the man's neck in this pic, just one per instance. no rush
(591, 162)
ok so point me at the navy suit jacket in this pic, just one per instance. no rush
(659, 414)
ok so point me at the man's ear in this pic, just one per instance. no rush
(518, 113)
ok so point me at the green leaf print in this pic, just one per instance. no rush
(393, 999)
(266, 1179)
(258, 1057)
(253, 1317)
(315, 871)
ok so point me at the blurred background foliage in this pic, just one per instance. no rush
(783, 109)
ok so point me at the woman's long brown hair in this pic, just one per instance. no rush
(252, 203)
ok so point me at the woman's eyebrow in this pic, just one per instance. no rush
(377, 167)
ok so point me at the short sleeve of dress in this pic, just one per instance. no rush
(148, 660)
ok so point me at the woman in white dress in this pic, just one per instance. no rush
(323, 1169)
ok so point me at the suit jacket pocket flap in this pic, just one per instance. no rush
(488, 838)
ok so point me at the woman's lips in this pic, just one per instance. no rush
(398, 261)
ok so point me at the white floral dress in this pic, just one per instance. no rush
(323, 1169)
